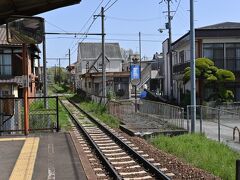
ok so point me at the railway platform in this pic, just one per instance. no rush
(40, 156)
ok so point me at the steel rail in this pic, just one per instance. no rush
(111, 170)
(145, 163)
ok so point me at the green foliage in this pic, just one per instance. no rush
(111, 95)
(201, 152)
(96, 110)
(210, 75)
(204, 69)
(225, 75)
(100, 112)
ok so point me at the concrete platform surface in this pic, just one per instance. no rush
(47, 156)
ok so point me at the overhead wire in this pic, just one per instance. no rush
(71, 44)
(133, 20)
(179, 2)
(115, 39)
(106, 7)
(55, 26)
(110, 5)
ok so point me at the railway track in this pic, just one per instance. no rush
(119, 158)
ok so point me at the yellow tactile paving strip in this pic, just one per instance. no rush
(12, 139)
(23, 169)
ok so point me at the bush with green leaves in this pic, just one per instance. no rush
(211, 76)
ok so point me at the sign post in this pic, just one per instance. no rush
(135, 74)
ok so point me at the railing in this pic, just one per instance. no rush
(98, 99)
(179, 68)
(174, 115)
(43, 115)
(151, 110)
(216, 123)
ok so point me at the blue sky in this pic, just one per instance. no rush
(126, 18)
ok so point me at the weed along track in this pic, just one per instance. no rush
(111, 155)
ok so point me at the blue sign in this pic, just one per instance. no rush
(135, 72)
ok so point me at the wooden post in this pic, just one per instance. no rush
(25, 90)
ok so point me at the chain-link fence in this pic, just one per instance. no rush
(11, 114)
(216, 123)
(43, 114)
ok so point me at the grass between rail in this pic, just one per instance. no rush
(97, 110)
(201, 152)
(63, 118)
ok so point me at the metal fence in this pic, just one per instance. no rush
(148, 111)
(121, 109)
(174, 115)
(98, 99)
(216, 123)
(43, 114)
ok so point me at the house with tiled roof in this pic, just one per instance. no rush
(218, 42)
(11, 68)
(88, 69)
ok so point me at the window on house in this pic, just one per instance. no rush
(233, 56)
(5, 64)
(215, 52)
(100, 66)
(181, 56)
(89, 84)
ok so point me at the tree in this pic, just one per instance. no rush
(210, 76)
(126, 53)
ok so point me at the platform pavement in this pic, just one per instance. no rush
(45, 156)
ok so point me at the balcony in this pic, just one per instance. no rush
(231, 64)
(179, 68)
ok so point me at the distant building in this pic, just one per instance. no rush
(88, 70)
(218, 42)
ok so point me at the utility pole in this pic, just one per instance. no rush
(59, 72)
(45, 94)
(140, 54)
(193, 74)
(55, 73)
(69, 57)
(104, 92)
(25, 89)
(169, 27)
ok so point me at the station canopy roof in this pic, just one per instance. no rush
(30, 7)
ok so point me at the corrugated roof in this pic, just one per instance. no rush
(30, 7)
(93, 50)
(224, 25)
(3, 38)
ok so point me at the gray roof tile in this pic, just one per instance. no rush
(224, 25)
(94, 50)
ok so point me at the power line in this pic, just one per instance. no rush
(110, 5)
(95, 17)
(55, 26)
(112, 39)
(134, 20)
(179, 2)
(71, 47)
(107, 3)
